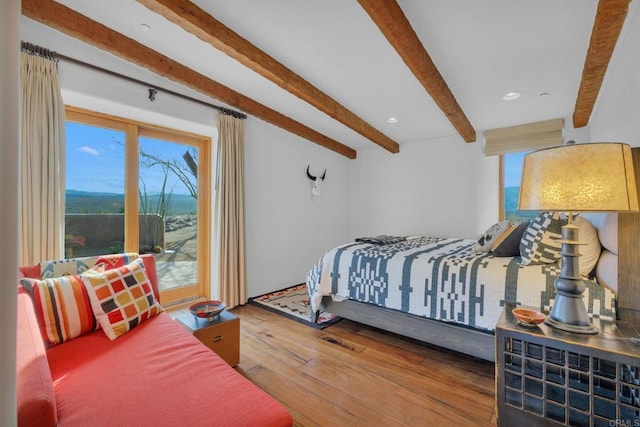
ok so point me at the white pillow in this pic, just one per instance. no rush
(591, 248)
(608, 232)
(607, 271)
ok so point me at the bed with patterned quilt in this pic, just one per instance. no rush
(462, 283)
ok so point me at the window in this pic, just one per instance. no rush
(133, 187)
(511, 173)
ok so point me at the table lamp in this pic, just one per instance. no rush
(594, 177)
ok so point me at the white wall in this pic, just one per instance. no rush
(616, 116)
(487, 186)
(9, 219)
(442, 187)
(286, 228)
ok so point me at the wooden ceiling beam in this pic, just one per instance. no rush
(610, 17)
(68, 21)
(199, 23)
(395, 26)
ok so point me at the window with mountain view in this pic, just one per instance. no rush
(94, 203)
(511, 174)
(137, 188)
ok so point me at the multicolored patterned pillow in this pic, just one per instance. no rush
(540, 243)
(121, 298)
(63, 267)
(62, 306)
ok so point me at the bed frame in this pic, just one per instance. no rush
(481, 344)
(458, 338)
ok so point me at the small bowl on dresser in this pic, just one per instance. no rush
(207, 309)
(528, 318)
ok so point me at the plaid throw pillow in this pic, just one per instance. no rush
(540, 243)
(121, 298)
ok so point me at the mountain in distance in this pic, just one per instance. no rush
(89, 202)
(80, 193)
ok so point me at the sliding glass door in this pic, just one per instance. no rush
(135, 187)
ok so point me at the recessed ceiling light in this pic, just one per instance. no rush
(145, 27)
(392, 120)
(511, 96)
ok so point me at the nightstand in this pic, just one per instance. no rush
(545, 376)
(222, 335)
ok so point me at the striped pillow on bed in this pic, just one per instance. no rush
(62, 306)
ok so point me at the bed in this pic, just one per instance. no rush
(439, 290)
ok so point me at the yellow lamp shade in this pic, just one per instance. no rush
(596, 177)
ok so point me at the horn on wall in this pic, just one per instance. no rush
(311, 177)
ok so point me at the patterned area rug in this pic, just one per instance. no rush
(293, 302)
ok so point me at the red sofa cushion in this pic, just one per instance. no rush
(35, 396)
(158, 374)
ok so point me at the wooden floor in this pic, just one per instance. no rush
(350, 375)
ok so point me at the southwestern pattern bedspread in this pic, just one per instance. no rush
(442, 279)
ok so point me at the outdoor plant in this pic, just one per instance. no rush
(153, 225)
(186, 171)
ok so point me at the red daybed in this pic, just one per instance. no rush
(157, 374)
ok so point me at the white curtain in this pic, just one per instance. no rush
(230, 210)
(42, 161)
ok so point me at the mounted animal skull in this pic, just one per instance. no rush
(317, 182)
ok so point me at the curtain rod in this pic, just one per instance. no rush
(33, 49)
(37, 50)
(221, 109)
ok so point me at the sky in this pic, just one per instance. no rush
(513, 169)
(95, 160)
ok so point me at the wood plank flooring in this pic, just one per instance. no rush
(351, 374)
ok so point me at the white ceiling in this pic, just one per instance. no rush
(483, 49)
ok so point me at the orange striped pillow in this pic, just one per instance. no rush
(62, 306)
